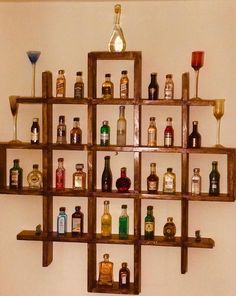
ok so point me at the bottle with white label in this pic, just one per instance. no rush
(152, 132)
(35, 131)
(79, 177)
(62, 221)
(196, 182)
(169, 181)
(169, 88)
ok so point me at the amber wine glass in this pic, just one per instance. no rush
(197, 63)
(218, 112)
(14, 110)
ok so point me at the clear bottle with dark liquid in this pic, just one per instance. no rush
(153, 88)
(194, 139)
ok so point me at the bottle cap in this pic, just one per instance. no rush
(124, 264)
(152, 164)
(61, 71)
(35, 120)
(79, 166)
(79, 73)
(195, 122)
(124, 72)
(124, 206)
(105, 122)
(108, 75)
(170, 219)
(106, 256)
(169, 119)
(106, 202)
(169, 76)
(214, 162)
(196, 170)
(76, 119)
(107, 157)
(35, 166)
(77, 208)
(153, 74)
(149, 208)
(62, 209)
(117, 8)
(16, 160)
(169, 170)
(152, 118)
(60, 159)
(61, 118)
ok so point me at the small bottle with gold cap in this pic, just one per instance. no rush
(61, 84)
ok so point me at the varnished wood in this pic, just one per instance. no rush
(3, 166)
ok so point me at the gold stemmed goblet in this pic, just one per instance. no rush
(196, 63)
(218, 112)
(14, 110)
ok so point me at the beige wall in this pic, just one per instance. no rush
(166, 32)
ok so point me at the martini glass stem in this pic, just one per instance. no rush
(14, 127)
(218, 133)
(197, 77)
(33, 79)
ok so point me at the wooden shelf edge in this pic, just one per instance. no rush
(23, 191)
(114, 239)
(114, 289)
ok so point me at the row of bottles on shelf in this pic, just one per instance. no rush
(123, 183)
(108, 86)
(194, 139)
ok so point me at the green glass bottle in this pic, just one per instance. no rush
(16, 175)
(214, 180)
(149, 224)
(105, 134)
(123, 223)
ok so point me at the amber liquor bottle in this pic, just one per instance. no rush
(61, 130)
(61, 84)
(106, 221)
(76, 132)
(77, 222)
(152, 132)
(194, 139)
(105, 277)
(124, 276)
(169, 229)
(60, 175)
(152, 179)
(79, 177)
(107, 87)
(124, 85)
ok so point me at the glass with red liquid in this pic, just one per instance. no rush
(196, 63)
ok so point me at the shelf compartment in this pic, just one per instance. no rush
(160, 196)
(69, 192)
(79, 147)
(51, 236)
(23, 191)
(115, 194)
(114, 289)
(114, 239)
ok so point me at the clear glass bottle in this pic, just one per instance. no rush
(123, 183)
(121, 127)
(196, 182)
(152, 132)
(117, 41)
(124, 276)
(194, 139)
(105, 277)
(214, 180)
(169, 229)
(105, 133)
(149, 224)
(106, 221)
(169, 88)
(152, 180)
(153, 88)
(35, 178)
(124, 85)
(62, 221)
(61, 84)
(123, 223)
(60, 175)
(108, 87)
(35, 131)
(77, 222)
(16, 175)
(169, 181)
(107, 176)
(169, 133)
(61, 130)
(76, 132)
(79, 178)
(79, 86)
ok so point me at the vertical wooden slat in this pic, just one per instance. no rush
(3, 167)
(231, 171)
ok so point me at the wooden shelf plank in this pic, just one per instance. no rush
(161, 196)
(114, 289)
(23, 191)
(114, 239)
(115, 194)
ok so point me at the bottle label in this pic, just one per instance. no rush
(34, 136)
(124, 278)
(75, 138)
(124, 90)
(152, 185)
(61, 225)
(149, 226)
(76, 225)
(78, 91)
(104, 137)
(152, 93)
(168, 140)
(195, 187)
(169, 184)
(214, 184)
(106, 90)
(61, 134)
(168, 93)
(60, 179)
(78, 182)
(151, 139)
(14, 178)
(60, 88)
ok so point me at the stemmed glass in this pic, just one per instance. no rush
(14, 110)
(33, 56)
(218, 112)
(196, 63)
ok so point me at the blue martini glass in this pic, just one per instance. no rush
(33, 56)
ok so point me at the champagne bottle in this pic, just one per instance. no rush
(107, 176)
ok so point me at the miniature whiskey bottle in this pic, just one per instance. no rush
(153, 88)
(106, 221)
(124, 276)
(60, 175)
(107, 87)
(149, 224)
(196, 182)
(79, 86)
(35, 178)
(77, 222)
(105, 133)
(152, 179)
(61, 130)
(169, 88)
(16, 175)
(169, 229)
(61, 84)
(35, 131)
(117, 41)
(121, 128)
(124, 85)
(214, 180)
(123, 183)
(107, 176)
(76, 132)
(152, 132)
(169, 133)
(123, 223)
(62, 221)
(105, 277)
(169, 181)
(79, 178)
(194, 139)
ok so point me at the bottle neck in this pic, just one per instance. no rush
(122, 113)
(106, 209)
(195, 128)
(79, 78)
(149, 212)
(123, 173)
(153, 79)
(76, 124)
(117, 18)
(153, 170)
(107, 163)
(124, 212)
(60, 165)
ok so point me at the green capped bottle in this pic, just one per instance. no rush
(123, 223)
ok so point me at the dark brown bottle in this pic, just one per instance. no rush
(153, 88)
(79, 86)
(35, 131)
(77, 223)
(152, 179)
(107, 176)
(76, 132)
(214, 180)
(124, 276)
(194, 139)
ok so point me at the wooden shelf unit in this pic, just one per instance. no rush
(93, 193)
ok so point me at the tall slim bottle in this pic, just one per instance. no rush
(123, 223)
(121, 128)
(194, 139)
(117, 42)
(106, 221)
(214, 180)
(61, 84)
(107, 176)
(152, 132)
